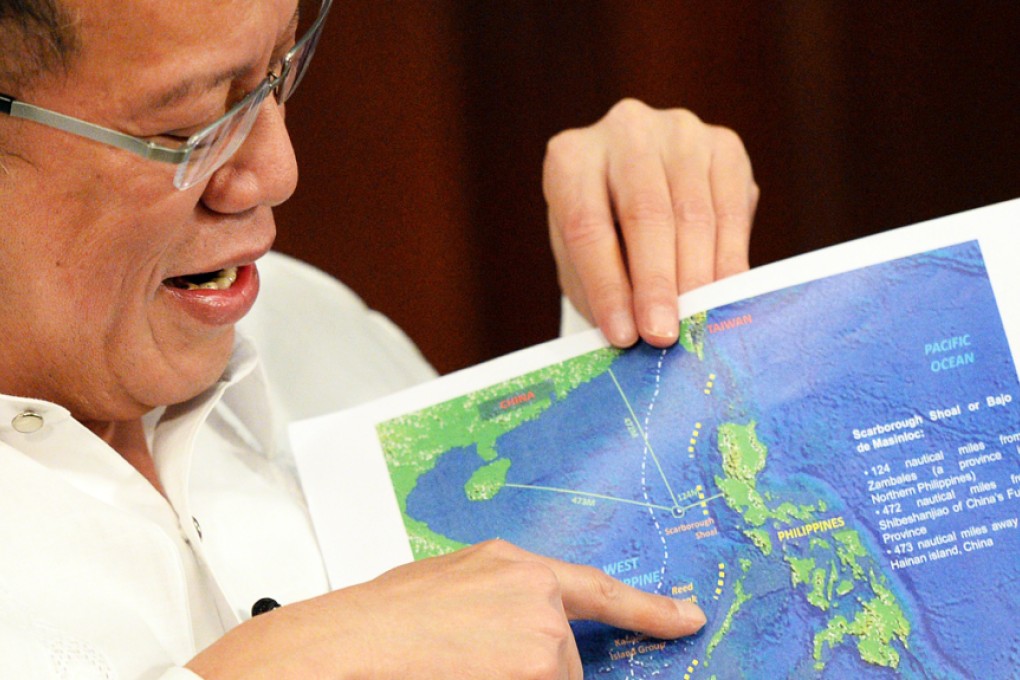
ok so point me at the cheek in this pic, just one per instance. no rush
(113, 235)
(110, 270)
(92, 258)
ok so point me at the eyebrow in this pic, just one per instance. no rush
(187, 88)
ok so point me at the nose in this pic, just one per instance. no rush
(263, 171)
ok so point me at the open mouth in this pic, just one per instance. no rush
(221, 279)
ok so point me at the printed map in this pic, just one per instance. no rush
(831, 471)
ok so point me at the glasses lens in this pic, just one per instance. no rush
(215, 145)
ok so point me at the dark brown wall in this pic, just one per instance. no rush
(422, 126)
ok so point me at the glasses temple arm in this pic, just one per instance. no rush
(16, 109)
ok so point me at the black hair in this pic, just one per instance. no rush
(37, 37)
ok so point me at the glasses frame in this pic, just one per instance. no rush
(243, 112)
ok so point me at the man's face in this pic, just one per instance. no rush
(97, 244)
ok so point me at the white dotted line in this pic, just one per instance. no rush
(644, 484)
(644, 459)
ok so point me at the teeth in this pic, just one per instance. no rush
(225, 279)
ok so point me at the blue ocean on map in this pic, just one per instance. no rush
(880, 537)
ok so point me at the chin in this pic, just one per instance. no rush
(192, 375)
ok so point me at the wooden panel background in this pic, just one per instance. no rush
(421, 128)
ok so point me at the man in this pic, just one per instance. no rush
(143, 151)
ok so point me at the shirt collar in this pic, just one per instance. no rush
(47, 431)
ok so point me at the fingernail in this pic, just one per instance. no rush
(663, 323)
(691, 614)
(620, 329)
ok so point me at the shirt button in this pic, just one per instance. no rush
(27, 422)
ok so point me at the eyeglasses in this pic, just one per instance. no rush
(207, 150)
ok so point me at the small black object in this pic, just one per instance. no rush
(266, 604)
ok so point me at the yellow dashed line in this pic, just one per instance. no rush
(722, 580)
(701, 497)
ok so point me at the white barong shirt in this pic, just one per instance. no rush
(103, 577)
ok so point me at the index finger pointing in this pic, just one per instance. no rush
(590, 594)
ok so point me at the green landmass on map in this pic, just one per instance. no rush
(740, 598)
(827, 561)
(692, 333)
(487, 481)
